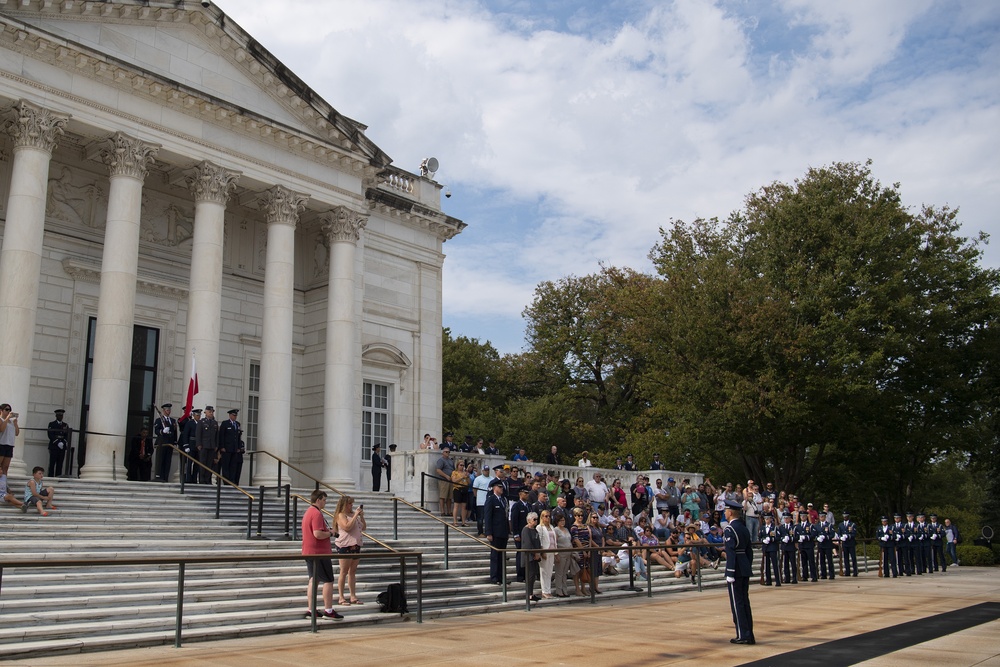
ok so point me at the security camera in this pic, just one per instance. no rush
(447, 194)
(206, 3)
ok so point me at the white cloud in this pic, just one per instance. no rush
(595, 139)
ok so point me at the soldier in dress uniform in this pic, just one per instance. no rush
(769, 538)
(232, 447)
(518, 520)
(886, 536)
(847, 532)
(910, 544)
(496, 525)
(786, 538)
(206, 440)
(739, 569)
(824, 545)
(189, 431)
(935, 533)
(165, 432)
(899, 535)
(805, 538)
(923, 548)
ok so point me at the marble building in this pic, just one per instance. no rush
(169, 190)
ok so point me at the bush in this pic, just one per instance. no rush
(996, 553)
(975, 556)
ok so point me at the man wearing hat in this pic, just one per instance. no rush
(786, 538)
(805, 538)
(847, 533)
(922, 551)
(630, 463)
(59, 434)
(378, 464)
(935, 535)
(189, 432)
(388, 467)
(769, 538)
(491, 447)
(231, 447)
(909, 544)
(899, 539)
(618, 464)
(656, 465)
(496, 527)
(825, 534)
(518, 520)
(206, 440)
(165, 431)
(886, 536)
(739, 569)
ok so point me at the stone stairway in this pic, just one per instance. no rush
(85, 608)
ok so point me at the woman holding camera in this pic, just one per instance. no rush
(349, 523)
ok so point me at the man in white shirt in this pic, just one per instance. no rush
(482, 486)
(584, 461)
(597, 491)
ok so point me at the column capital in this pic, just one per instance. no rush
(342, 225)
(213, 183)
(282, 205)
(34, 127)
(128, 156)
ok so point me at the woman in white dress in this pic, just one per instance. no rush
(547, 536)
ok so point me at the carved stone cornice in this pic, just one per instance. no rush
(282, 206)
(85, 272)
(213, 183)
(35, 127)
(342, 225)
(128, 156)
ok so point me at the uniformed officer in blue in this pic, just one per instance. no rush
(496, 524)
(804, 535)
(824, 534)
(786, 535)
(886, 536)
(739, 569)
(769, 538)
(847, 533)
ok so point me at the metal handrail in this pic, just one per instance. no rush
(333, 516)
(205, 467)
(184, 561)
(284, 462)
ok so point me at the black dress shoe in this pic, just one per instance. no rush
(741, 641)
(535, 598)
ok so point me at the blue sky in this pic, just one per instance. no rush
(570, 131)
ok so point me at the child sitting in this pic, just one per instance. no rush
(38, 495)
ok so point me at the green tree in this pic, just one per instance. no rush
(473, 393)
(823, 322)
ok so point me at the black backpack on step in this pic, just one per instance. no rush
(392, 600)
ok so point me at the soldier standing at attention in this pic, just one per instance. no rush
(165, 432)
(848, 533)
(231, 444)
(739, 569)
(769, 538)
(189, 432)
(886, 536)
(786, 535)
(804, 536)
(207, 443)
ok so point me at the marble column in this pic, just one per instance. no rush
(127, 159)
(211, 186)
(34, 131)
(274, 435)
(341, 447)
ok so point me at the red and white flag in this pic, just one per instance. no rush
(192, 391)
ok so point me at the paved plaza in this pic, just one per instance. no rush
(689, 628)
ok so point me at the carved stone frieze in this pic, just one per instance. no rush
(74, 200)
(213, 183)
(35, 127)
(128, 156)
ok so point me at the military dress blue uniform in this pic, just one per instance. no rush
(886, 536)
(165, 432)
(824, 545)
(804, 537)
(847, 532)
(923, 548)
(935, 534)
(909, 546)
(786, 538)
(739, 569)
(496, 527)
(769, 539)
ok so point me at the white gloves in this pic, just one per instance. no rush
(730, 580)
(911, 538)
(821, 538)
(885, 538)
(786, 539)
(802, 538)
(766, 540)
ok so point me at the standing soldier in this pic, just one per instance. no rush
(207, 443)
(899, 538)
(58, 443)
(886, 536)
(739, 568)
(769, 538)
(935, 532)
(231, 446)
(923, 542)
(848, 533)
(824, 540)
(786, 535)
(189, 432)
(910, 545)
(165, 432)
(805, 537)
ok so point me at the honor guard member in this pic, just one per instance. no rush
(935, 534)
(847, 533)
(630, 463)
(206, 441)
(496, 524)
(189, 433)
(378, 464)
(886, 536)
(232, 447)
(910, 544)
(824, 546)
(899, 537)
(656, 465)
(165, 431)
(923, 548)
(518, 520)
(739, 569)
(786, 538)
(769, 538)
(805, 538)
(492, 449)
(58, 443)
(388, 468)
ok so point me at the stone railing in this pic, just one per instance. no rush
(397, 180)
(425, 461)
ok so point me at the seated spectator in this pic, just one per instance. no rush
(654, 554)
(683, 520)
(9, 497)
(38, 495)
(662, 524)
(638, 563)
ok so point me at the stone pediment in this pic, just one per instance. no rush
(145, 46)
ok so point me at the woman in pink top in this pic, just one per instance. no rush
(349, 525)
